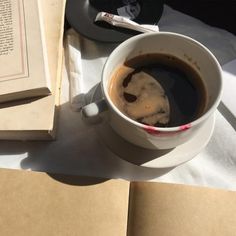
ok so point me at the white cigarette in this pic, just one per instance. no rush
(124, 22)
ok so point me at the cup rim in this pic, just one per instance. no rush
(163, 129)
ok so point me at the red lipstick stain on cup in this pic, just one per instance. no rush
(153, 131)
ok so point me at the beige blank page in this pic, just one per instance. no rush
(33, 203)
(179, 210)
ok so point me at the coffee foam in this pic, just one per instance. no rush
(151, 105)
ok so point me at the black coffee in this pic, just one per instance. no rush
(176, 82)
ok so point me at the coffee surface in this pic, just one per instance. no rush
(158, 90)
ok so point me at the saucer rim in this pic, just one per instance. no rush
(208, 126)
(83, 24)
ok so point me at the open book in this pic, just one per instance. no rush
(34, 203)
(24, 68)
(34, 118)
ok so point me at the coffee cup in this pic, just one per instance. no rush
(144, 54)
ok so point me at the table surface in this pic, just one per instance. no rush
(79, 150)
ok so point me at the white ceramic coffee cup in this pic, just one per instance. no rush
(180, 46)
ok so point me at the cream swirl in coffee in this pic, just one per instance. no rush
(144, 99)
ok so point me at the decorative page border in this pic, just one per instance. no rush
(23, 44)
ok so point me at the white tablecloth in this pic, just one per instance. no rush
(78, 149)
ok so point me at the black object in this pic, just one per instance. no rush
(81, 14)
(218, 13)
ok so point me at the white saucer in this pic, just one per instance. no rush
(153, 158)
